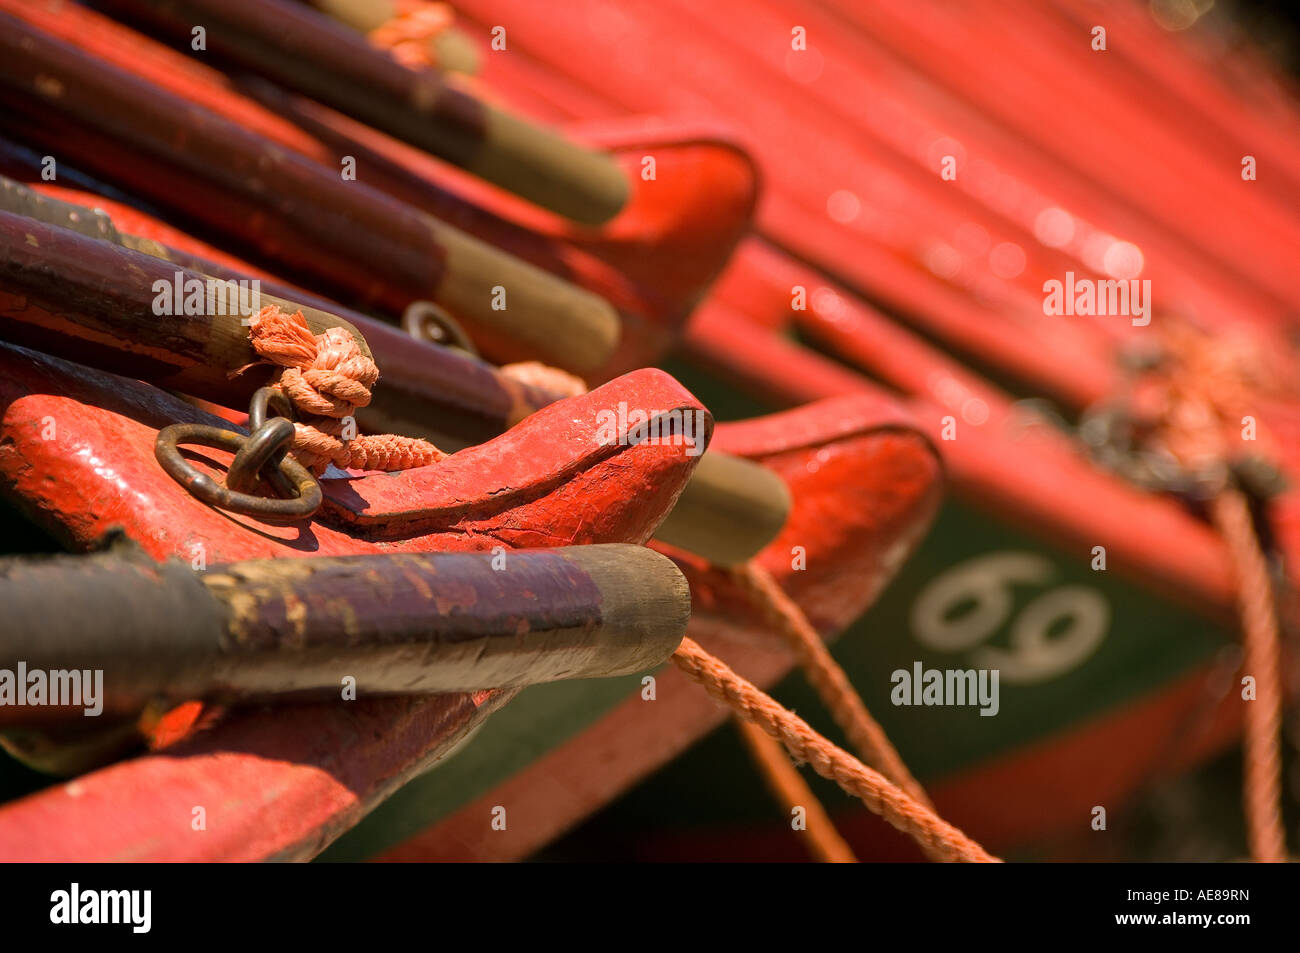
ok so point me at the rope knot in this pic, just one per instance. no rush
(327, 377)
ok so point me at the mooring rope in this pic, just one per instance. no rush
(938, 839)
(791, 791)
(827, 678)
(1261, 658)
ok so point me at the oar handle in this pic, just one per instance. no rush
(301, 49)
(730, 510)
(341, 627)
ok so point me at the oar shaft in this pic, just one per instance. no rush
(393, 624)
(23, 200)
(426, 391)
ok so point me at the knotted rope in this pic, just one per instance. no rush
(937, 838)
(327, 377)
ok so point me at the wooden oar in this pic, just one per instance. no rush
(376, 625)
(450, 50)
(301, 49)
(343, 233)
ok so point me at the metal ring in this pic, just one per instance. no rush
(253, 458)
(266, 444)
(307, 492)
(276, 399)
(425, 321)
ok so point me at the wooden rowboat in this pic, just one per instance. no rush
(1157, 678)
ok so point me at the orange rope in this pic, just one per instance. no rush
(827, 678)
(1262, 744)
(937, 838)
(824, 842)
(408, 36)
(328, 377)
(1196, 408)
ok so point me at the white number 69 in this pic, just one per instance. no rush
(1033, 655)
